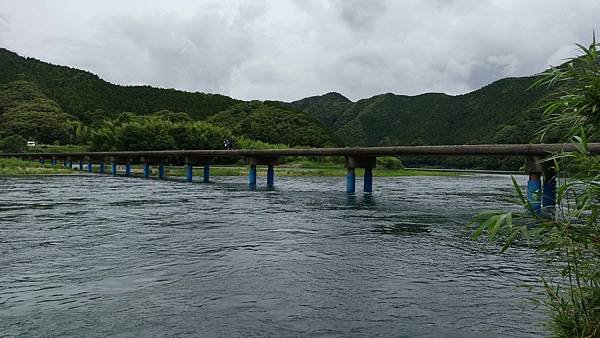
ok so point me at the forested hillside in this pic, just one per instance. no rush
(56, 104)
(273, 124)
(90, 98)
(502, 112)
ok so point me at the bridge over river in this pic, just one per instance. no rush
(540, 194)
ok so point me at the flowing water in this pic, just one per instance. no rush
(113, 256)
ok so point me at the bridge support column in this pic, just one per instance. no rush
(80, 165)
(161, 170)
(270, 176)
(368, 180)
(90, 166)
(269, 161)
(534, 184)
(189, 170)
(350, 180)
(549, 189)
(146, 170)
(113, 169)
(366, 162)
(53, 162)
(252, 176)
(102, 167)
(127, 169)
(206, 176)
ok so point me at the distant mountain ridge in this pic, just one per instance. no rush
(482, 116)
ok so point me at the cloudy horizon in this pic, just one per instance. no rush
(287, 50)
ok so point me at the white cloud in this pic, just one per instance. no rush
(289, 49)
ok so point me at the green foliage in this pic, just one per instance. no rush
(13, 144)
(389, 162)
(569, 237)
(576, 104)
(246, 143)
(271, 124)
(156, 132)
(26, 112)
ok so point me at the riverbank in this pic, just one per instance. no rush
(15, 167)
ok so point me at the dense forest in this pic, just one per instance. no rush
(53, 104)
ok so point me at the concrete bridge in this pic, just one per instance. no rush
(540, 194)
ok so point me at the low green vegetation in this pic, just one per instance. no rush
(16, 167)
(267, 123)
(161, 131)
(569, 237)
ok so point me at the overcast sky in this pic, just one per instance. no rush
(289, 49)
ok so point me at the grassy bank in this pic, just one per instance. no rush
(16, 167)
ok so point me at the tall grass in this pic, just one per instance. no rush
(570, 237)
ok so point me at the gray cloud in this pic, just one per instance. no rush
(291, 49)
(4, 24)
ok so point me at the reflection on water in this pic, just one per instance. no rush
(89, 256)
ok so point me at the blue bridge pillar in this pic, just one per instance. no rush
(270, 176)
(127, 169)
(101, 167)
(146, 170)
(161, 170)
(549, 189)
(90, 167)
(534, 191)
(368, 180)
(113, 169)
(80, 165)
(206, 176)
(534, 184)
(350, 180)
(253, 161)
(252, 176)
(189, 172)
(366, 162)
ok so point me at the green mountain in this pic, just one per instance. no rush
(89, 98)
(502, 112)
(327, 108)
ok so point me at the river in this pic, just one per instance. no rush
(114, 256)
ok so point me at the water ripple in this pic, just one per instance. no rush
(89, 256)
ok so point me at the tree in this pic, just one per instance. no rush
(13, 144)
